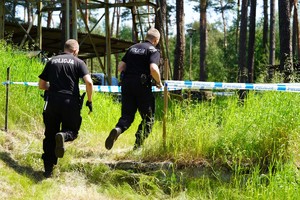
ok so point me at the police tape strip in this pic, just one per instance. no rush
(179, 85)
(97, 88)
(291, 87)
(20, 83)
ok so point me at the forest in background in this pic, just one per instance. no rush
(257, 143)
(243, 46)
(216, 149)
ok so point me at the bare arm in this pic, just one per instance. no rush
(154, 70)
(122, 66)
(89, 86)
(43, 85)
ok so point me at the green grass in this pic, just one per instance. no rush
(219, 149)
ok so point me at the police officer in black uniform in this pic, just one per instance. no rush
(62, 119)
(138, 67)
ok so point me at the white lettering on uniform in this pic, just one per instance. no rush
(152, 49)
(138, 51)
(62, 61)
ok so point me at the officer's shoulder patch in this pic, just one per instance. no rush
(152, 49)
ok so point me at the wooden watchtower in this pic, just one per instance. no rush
(51, 40)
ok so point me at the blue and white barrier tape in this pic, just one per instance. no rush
(291, 87)
(20, 83)
(178, 85)
(97, 88)
(223, 93)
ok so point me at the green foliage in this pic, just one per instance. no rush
(260, 137)
(220, 63)
(126, 33)
(255, 142)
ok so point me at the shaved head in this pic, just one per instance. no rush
(71, 46)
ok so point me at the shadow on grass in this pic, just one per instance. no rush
(36, 176)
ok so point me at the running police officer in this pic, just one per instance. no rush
(62, 119)
(138, 66)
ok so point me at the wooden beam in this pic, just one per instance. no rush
(102, 5)
(89, 34)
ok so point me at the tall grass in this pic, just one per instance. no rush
(250, 151)
(262, 131)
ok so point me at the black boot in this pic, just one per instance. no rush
(137, 145)
(140, 137)
(60, 147)
(48, 169)
(113, 136)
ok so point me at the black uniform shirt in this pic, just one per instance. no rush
(63, 73)
(139, 57)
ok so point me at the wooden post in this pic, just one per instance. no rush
(165, 103)
(6, 98)
(74, 20)
(108, 42)
(2, 19)
(39, 27)
(89, 35)
(67, 20)
(92, 65)
(86, 17)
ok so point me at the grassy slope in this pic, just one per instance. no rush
(261, 134)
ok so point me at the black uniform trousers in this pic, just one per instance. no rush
(137, 96)
(62, 114)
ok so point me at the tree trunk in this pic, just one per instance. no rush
(237, 32)
(242, 60)
(272, 39)
(251, 44)
(29, 12)
(203, 37)
(180, 41)
(163, 17)
(14, 5)
(266, 26)
(243, 43)
(49, 19)
(296, 34)
(224, 25)
(135, 37)
(113, 21)
(87, 13)
(118, 16)
(285, 39)
(160, 25)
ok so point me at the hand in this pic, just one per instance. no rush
(90, 105)
(81, 99)
(159, 85)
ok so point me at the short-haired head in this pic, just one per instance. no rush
(153, 36)
(71, 46)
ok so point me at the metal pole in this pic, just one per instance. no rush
(6, 98)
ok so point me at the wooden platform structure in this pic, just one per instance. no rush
(51, 40)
